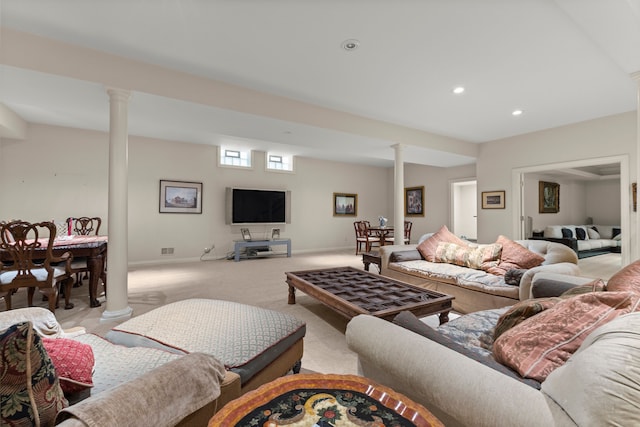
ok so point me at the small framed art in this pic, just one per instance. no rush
(414, 201)
(345, 204)
(180, 197)
(548, 197)
(493, 199)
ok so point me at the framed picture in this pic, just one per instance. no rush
(549, 197)
(345, 204)
(493, 200)
(246, 234)
(180, 197)
(414, 201)
(275, 233)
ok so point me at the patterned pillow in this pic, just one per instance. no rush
(74, 363)
(479, 258)
(627, 279)
(30, 392)
(520, 312)
(428, 247)
(514, 255)
(541, 343)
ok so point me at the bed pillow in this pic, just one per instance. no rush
(30, 391)
(428, 247)
(73, 361)
(514, 255)
(542, 343)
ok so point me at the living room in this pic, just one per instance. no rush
(51, 169)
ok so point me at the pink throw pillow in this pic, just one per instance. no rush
(73, 362)
(514, 255)
(428, 247)
(627, 279)
(544, 342)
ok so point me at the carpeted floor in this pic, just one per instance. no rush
(259, 282)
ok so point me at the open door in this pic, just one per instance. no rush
(464, 208)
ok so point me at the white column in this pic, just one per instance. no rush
(398, 196)
(117, 259)
(635, 236)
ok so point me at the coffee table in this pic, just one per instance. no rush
(350, 291)
(327, 400)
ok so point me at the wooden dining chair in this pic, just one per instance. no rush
(364, 236)
(29, 263)
(84, 226)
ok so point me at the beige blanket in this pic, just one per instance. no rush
(161, 397)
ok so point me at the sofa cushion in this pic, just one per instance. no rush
(593, 233)
(596, 285)
(429, 246)
(581, 233)
(567, 233)
(30, 393)
(73, 361)
(514, 255)
(606, 361)
(540, 344)
(480, 257)
(626, 279)
(514, 276)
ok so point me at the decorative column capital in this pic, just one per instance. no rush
(118, 94)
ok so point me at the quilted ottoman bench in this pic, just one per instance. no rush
(257, 344)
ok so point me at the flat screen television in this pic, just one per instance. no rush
(253, 206)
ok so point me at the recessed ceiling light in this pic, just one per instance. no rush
(458, 90)
(517, 112)
(350, 44)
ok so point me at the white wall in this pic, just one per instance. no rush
(604, 137)
(603, 201)
(59, 172)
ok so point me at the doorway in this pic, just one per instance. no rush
(519, 220)
(464, 208)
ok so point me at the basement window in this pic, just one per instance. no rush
(279, 162)
(235, 157)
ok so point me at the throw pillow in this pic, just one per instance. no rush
(428, 247)
(541, 343)
(593, 233)
(514, 255)
(514, 276)
(479, 257)
(521, 311)
(30, 392)
(567, 233)
(615, 231)
(73, 361)
(627, 279)
(581, 234)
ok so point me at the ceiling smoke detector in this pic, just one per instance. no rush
(350, 44)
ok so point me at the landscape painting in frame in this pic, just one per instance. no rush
(180, 197)
(345, 204)
(493, 200)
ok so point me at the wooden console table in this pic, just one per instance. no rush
(239, 244)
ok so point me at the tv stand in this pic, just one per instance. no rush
(260, 246)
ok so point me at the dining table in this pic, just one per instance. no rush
(93, 248)
(382, 232)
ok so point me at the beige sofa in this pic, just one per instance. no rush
(473, 290)
(599, 385)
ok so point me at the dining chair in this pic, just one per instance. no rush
(84, 226)
(406, 234)
(29, 263)
(364, 236)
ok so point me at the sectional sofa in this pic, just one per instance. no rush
(586, 240)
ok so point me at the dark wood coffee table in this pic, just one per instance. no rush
(350, 291)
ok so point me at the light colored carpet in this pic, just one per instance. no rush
(259, 282)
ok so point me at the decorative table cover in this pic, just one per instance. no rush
(312, 400)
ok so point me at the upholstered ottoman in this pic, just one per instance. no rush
(257, 344)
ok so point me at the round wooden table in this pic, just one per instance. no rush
(325, 400)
